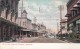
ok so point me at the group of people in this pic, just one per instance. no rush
(17, 37)
(14, 38)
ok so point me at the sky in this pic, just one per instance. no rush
(45, 11)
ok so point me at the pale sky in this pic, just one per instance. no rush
(45, 11)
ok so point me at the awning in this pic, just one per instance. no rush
(8, 22)
(67, 15)
(78, 2)
(73, 9)
(76, 6)
(26, 29)
(41, 31)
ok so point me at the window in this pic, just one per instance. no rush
(75, 12)
(7, 3)
(78, 10)
(0, 8)
(25, 23)
(16, 15)
(7, 12)
(63, 27)
(12, 14)
(2, 3)
(11, 18)
(0, 11)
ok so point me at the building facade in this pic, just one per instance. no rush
(63, 31)
(8, 16)
(24, 22)
(41, 30)
(38, 29)
(73, 14)
(35, 29)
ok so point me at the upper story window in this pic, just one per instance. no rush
(2, 3)
(78, 11)
(7, 12)
(24, 23)
(74, 13)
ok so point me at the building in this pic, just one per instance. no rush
(73, 14)
(34, 29)
(24, 22)
(41, 30)
(63, 31)
(8, 16)
(38, 29)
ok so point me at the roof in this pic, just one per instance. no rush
(34, 24)
(22, 17)
(9, 22)
(24, 11)
(28, 19)
(63, 21)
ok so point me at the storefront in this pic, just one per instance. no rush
(8, 30)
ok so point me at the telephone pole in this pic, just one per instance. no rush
(21, 8)
(21, 16)
(61, 9)
(35, 20)
(57, 27)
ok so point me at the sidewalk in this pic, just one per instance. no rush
(21, 40)
(6, 41)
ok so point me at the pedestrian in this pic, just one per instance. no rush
(17, 36)
(30, 35)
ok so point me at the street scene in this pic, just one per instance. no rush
(41, 40)
(39, 21)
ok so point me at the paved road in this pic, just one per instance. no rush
(40, 40)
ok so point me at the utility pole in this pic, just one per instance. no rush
(21, 16)
(61, 9)
(21, 8)
(39, 10)
(57, 27)
(35, 20)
